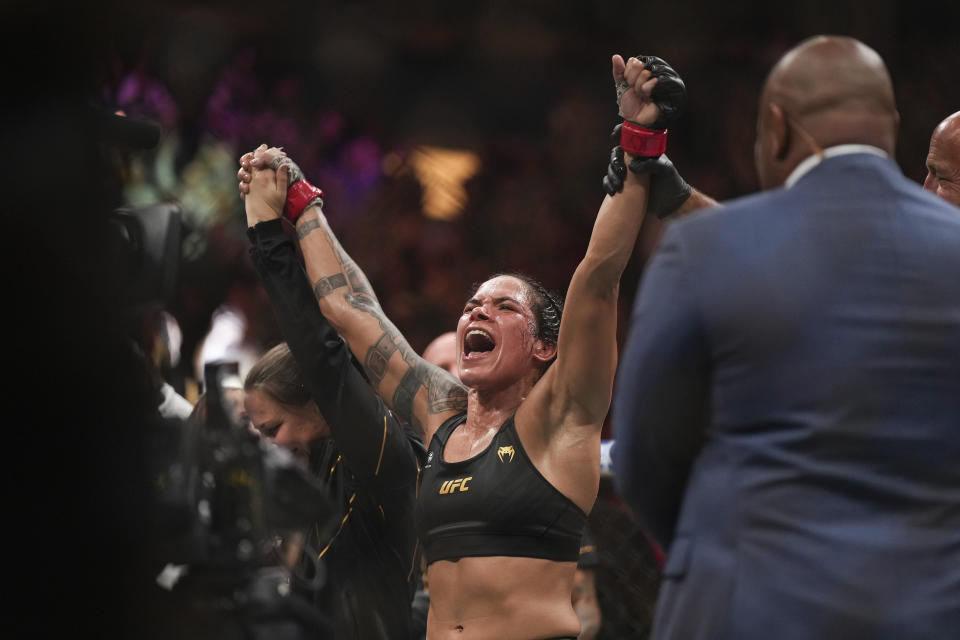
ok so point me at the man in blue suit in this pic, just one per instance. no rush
(787, 411)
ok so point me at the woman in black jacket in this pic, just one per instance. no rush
(311, 398)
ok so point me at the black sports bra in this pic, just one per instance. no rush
(493, 504)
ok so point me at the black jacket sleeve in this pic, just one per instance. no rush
(376, 447)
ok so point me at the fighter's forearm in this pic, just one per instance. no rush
(328, 264)
(615, 232)
(344, 293)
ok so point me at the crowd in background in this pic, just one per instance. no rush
(531, 100)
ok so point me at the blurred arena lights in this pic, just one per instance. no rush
(443, 173)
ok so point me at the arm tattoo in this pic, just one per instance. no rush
(355, 277)
(307, 227)
(387, 344)
(377, 357)
(362, 302)
(358, 282)
(279, 161)
(406, 391)
(325, 286)
(444, 394)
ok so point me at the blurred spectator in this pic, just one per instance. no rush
(943, 160)
(584, 595)
(627, 576)
(233, 397)
(227, 339)
(442, 351)
(173, 404)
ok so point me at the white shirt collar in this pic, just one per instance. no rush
(840, 150)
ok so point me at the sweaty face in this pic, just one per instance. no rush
(943, 164)
(295, 428)
(495, 334)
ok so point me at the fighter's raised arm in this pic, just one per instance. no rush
(567, 407)
(419, 392)
(650, 96)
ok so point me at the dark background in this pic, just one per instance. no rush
(349, 87)
(351, 90)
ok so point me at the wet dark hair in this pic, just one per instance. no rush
(277, 374)
(547, 307)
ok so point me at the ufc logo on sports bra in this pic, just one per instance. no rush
(452, 485)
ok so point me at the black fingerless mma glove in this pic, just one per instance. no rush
(670, 93)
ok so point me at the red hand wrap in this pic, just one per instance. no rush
(300, 194)
(641, 141)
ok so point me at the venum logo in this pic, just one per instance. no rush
(450, 486)
(505, 454)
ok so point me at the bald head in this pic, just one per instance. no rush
(943, 160)
(826, 91)
(442, 351)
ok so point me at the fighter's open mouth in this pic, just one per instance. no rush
(476, 341)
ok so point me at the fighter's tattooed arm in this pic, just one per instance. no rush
(419, 392)
(444, 393)
(326, 286)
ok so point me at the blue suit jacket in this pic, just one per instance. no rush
(787, 412)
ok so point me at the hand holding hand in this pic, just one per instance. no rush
(264, 176)
(264, 157)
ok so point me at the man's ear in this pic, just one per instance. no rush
(896, 128)
(544, 351)
(779, 130)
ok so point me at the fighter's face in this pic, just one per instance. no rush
(496, 334)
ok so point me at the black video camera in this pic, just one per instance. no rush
(148, 241)
(227, 499)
